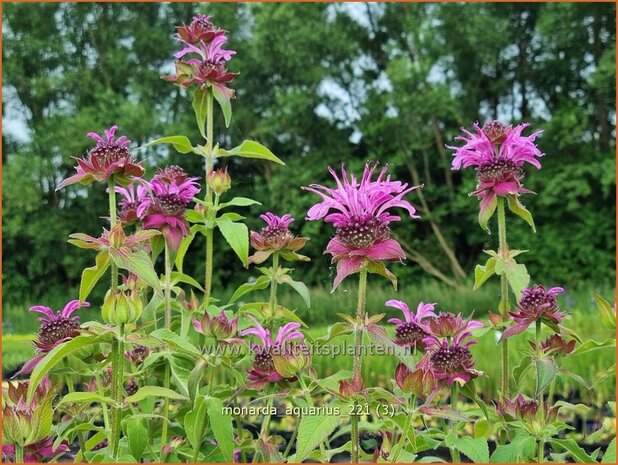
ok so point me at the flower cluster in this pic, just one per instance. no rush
(110, 157)
(498, 153)
(360, 212)
(55, 328)
(536, 304)
(203, 60)
(276, 360)
(411, 331)
(276, 237)
(164, 206)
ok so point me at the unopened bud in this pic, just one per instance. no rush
(219, 181)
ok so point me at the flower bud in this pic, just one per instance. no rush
(137, 355)
(418, 382)
(291, 359)
(348, 388)
(25, 423)
(220, 327)
(121, 307)
(219, 181)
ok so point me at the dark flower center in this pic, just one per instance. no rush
(535, 298)
(451, 359)
(131, 387)
(102, 156)
(264, 361)
(363, 232)
(57, 330)
(499, 170)
(409, 333)
(274, 234)
(170, 205)
(172, 175)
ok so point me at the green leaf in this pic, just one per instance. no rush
(610, 453)
(486, 211)
(239, 202)
(222, 428)
(250, 149)
(200, 103)
(518, 208)
(223, 95)
(483, 272)
(378, 267)
(312, 431)
(476, 449)
(137, 434)
(298, 286)
(591, 345)
(520, 449)
(195, 378)
(260, 283)
(154, 391)
(174, 340)
(573, 449)
(237, 235)
(91, 275)
(85, 397)
(137, 262)
(546, 371)
(608, 315)
(178, 277)
(184, 246)
(516, 274)
(181, 144)
(522, 368)
(194, 421)
(56, 355)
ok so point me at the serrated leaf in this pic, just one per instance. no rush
(546, 371)
(137, 262)
(181, 144)
(516, 274)
(137, 435)
(194, 421)
(154, 391)
(573, 449)
(239, 202)
(200, 103)
(262, 282)
(476, 449)
(312, 431)
(521, 447)
(483, 272)
(85, 397)
(518, 208)
(250, 149)
(56, 355)
(91, 275)
(174, 340)
(222, 428)
(237, 236)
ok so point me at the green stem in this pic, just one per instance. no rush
(265, 430)
(168, 323)
(208, 196)
(537, 339)
(504, 296)
(103, 405)
(541, 451)
(213, 367)
(358, 360)
(454, 394)
(272, 302)
(71, 388)
(19, 453)
(240, 437)
(117, 389)
(111, 184)
(406, 430)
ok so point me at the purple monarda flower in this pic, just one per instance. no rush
(360, 213)
(169, 194)
(450, 325)
(536, 304)
(222, 328)
(411, 331)
(38, 452)
(449, 358)
(132, 197)
(110, 157)
(200, 29)
(55, 329)
(276, 237)
(264, 371)
(498, 153)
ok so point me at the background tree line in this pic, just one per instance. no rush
(319, 84)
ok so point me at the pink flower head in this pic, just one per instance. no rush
(498, 153)
(200, 29)
(555, 345)
(275, 237)
(39, 451)
(535, 304)
(522, 408)
(132, 197)
(169, 194)
(448, 325)
(264, 371)
(449, 359)
(411, 331)
(55, 328)
(110, 157)
(360, 212)
(220, 327)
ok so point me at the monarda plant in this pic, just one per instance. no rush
(162, 369)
